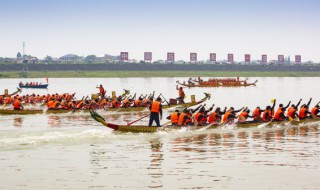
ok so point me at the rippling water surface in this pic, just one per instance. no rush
(71, 151)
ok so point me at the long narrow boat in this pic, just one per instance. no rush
(147, 129)
(14, 93)
(216, 84)
(34, 86)
(130, 109)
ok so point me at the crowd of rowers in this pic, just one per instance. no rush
(202, 116)
(66, 101)
(30, 83)
(217, 81)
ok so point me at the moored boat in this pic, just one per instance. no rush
(216, 84)
(152, 129)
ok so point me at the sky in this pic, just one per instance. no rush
(85, 27)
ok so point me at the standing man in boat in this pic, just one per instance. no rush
(156, 109)
(102, 92)
(181, 95)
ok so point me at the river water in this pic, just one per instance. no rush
(71, 151)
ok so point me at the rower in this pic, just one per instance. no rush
(156, 109)
(174, 117)
(279, 115)
(138, 102)
(292, 112)
(293, 107)
(281, 106)
(304, 110)
(184, 118)
(257, 114)
(315, 110)
(117, 102)
(202, 115)
(181, 95)
(267, 114)
(244, 115)
(230, 115)
(17, 104)
(215, 117)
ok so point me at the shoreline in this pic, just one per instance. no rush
(129, 74)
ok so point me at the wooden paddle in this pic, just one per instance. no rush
(165, 99)
(138, 119)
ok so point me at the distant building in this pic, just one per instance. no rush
(69, 58)
(111, 58)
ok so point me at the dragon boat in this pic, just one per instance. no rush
(153, 129)
(129, 109)
(41, 86)
(219, 84)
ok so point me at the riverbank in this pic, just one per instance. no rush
(112, 74)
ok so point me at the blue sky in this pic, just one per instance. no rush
(84, 27)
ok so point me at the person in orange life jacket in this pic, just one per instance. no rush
(267, 114)
(156, 109)
(174, 117)
(279, 115)
(185, 117)
(304, 110)
(257, 114)
(138, 102)
(202, 115)
(127, 103)
(315, 110)
(17, 104)
(292, 112)
(102, 92)
(230, 115)
(281, 106)
(117, 102)
(244, 115)
(181, 95)
(215, 117)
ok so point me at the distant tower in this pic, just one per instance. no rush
(23, 48)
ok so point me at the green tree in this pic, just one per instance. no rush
(90, 58)
(48, 59)
(19, 55)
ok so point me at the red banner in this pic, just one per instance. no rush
(280, 59)
(298, 59)
(170, 57)
(247, 58)
(193, 57)
(213, 57)
(147, 56)
(230, 57)
(124, 56)
(264, 59)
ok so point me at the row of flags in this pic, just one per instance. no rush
(124, 56)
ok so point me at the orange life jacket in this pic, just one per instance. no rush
(50, 104)
(264, 115)
(212, 118)
(80, 104)
(291, 112)
(313, 111)
(174, 118)
(197, 118)
(181, 94)
(180, 121)
(243, 115)
(116, 104)
(225, 117)
(256, 113)
(8, 100)
(137, 103)
(302, 113)
(155, 107)
(278, 114)
(16, 104)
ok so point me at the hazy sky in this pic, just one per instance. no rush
(83, 27)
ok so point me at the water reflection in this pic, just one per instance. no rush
(155, 167)
(17, 121)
